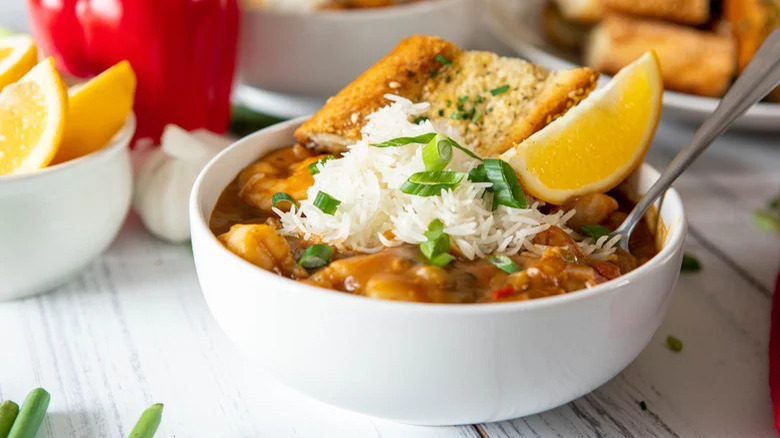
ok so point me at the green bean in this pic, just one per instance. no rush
(31, 414)
(8, 412)
(148, 423)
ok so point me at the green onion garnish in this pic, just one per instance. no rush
(674, 344)
(431, 183)
(8, 412)
(30, 414)
(316, 256)
(434, 73)
(476, 116)
(403, 141)
(437, 153)
(690, 264)
(455, 116)
(314, 168)
(767, 220)
(594, 231)
(148, 423)
(326, 203)
(504, 263)
(283, 197)
(478, 174)
(419, 120)
(441, 112)
(436, 248)
(498, 90)
(425, 139)
(507, 190)
(441, 59)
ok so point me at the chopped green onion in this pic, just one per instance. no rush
(31, 414)
(476, 116)
(455, 144)
(478, 174)
(690, 264)
(431, 183)
(463, 99)
(498, 90)
(436, 248)
(507, 190)
(403, 141)
(314, 168)
(674, 344)
(594, 231)
(504, 263)
(8, 412)
(419, 120)
(455, 116)
(283, 197)
(767, 220)
(441, 59)
(479, 99)
(316, 256)
(437, 153)
(434, 73)
(441, 112)
(326, 203)
(441, 260)
(449, 102)
(147, 425)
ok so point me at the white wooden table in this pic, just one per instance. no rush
(133, 329)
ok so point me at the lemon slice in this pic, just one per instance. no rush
(596, 144)
(32, 119)
(17, 56)
(97, 109)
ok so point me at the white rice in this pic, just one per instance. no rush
(374, 213)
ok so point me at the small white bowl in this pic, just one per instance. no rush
(428, 364)
(318, 53)
(56, 220)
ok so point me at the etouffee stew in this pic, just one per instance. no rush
(245, 224)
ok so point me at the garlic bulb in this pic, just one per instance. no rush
(165, 177)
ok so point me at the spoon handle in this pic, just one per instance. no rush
(760, 76)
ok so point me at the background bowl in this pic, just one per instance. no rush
(316, 54)
(432, 364)
(55, 220)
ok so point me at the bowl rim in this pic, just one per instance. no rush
(118, 142)
(199, 225)
(362, 13)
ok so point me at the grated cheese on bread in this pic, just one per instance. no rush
(464, 89)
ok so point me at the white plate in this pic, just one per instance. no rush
(518, 25)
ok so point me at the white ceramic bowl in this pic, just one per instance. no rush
(432, 364)
(55, 220)
(318, 53)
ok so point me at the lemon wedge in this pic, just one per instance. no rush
(596, 144)
(17, 56)
(32, 119)
(97, 109)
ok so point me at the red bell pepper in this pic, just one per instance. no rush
(183, 53)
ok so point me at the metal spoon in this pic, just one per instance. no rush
(760, 77)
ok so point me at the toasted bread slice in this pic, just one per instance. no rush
(581, 11)
(692, 61)
(681, 11)
(496, 102)
(751, 22)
